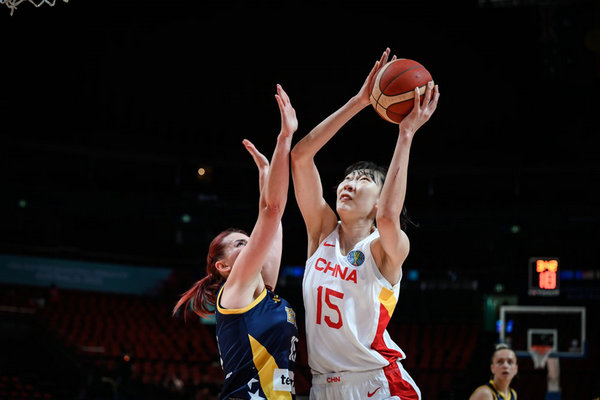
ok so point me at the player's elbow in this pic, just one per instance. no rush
(300, 155)
(272, 205)
(387, 212)
(387, 219)
(274, 208)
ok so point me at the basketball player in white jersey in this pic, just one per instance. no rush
(352, 278)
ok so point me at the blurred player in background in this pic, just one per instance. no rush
(504, 368)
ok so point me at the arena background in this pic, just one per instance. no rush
(109, 108)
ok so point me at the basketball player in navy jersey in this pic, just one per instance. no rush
(352, 278)
(256, 330)
(504, 367)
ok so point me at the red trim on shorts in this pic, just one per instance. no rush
(398, 386)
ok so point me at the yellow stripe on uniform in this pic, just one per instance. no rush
(239, 310)
(266, 366)
(386, 297)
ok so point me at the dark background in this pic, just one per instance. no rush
(108, 108)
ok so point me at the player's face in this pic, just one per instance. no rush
(504, 365)
(234, 243)
(358, 194)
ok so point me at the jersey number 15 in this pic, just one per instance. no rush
(328, 293)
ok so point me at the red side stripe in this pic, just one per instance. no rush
(391, 355)
(398, 386)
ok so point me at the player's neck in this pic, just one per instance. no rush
(503, 386)
(354, 232)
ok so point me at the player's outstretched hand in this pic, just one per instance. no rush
(420, 113)
(289, 122)
(364, 94)
(262, 163)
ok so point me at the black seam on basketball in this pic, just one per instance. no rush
(399, 75)
(378, 84)
(377, 100)
(379, 97)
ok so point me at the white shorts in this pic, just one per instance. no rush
(389, 383)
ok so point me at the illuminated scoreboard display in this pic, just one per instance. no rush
(544, 276)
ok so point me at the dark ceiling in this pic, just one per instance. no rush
(109, 107)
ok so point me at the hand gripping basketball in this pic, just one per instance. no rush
(392, 91)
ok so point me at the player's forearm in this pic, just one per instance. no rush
(275, 192)
(270, 270)
(393, 192)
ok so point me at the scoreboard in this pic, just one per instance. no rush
(544, 276)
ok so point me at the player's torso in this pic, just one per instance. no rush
(258, 345)
(348, 304)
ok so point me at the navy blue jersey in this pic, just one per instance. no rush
(496, 394)
(257, 345)
(499, 396)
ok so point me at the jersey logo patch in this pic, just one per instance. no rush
(283, 380)
(356, 258)
(291, 315)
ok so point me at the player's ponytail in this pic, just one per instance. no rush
(202, 297)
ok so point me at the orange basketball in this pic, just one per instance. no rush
(392, 91)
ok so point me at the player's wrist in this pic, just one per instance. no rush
(358, 102)
(406, 133)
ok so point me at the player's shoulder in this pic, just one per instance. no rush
(316, 238)
(483, 392)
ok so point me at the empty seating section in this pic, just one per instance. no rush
(115, 330)
(136, 334)
(13, 388)
(436, 353)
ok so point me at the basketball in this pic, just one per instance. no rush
(392, 90)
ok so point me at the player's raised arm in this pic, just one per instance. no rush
(318, 216)
(250, 318)
(393, 241)
(270, 271)
(245, 276)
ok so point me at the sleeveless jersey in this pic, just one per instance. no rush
(257, 345)
(497, 395)
(348, 304)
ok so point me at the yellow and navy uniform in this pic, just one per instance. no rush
(498, 395)
(257, 345)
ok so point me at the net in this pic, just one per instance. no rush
(12, 4)
(539, 355)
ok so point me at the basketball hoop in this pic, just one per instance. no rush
(539, 355)
(12, 4)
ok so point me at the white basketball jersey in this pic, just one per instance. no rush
(348, 304)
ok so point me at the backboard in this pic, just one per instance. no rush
(562, 328)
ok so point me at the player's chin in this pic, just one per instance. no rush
(339, 205)
(344, 211)
(345, 206)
